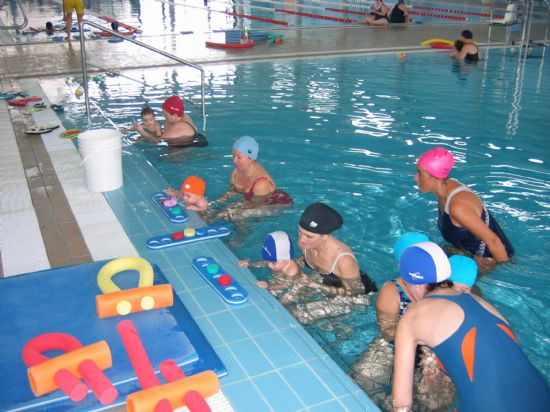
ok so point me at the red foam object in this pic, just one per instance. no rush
(70, 385)
(224, 280)
(137, 354)
(32, 352)
(177, 236)
(195, 402)
(101, 386)
(163, 406)
(442, 46)
(170, 370)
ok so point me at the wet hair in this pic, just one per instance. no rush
(467, 34)
(459, 44)
(49, 25)
(433, 286)
(147, 110)
(114, 26)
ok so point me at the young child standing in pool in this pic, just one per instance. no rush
(149, 129)
(278, 252)
(192, 193)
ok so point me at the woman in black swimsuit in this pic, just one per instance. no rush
(378, 15)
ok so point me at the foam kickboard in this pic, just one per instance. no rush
(179, 238)
(224, 284)
(176, 213)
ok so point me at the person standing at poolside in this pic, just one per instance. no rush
(399, 12)
(252, 181)
(471, 338)
(68, 7)
(464, 221)
(469, 51)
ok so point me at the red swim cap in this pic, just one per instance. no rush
(174, 105)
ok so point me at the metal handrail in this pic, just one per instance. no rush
(138, 43)
(25, 20)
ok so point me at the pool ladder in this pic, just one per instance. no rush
(18, 26)
(85, 64)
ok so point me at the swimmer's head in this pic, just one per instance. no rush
(467, 34)
(193, 184)
(463, 270)
(277, 247)
(424, 263)
(174, 105)
(438, 162)
(400, 1)
(320, 218)
(114, 25)
(247, 146)
(49, 25)
(406, 240)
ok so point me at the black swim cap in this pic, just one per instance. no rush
(49, 25)
(320, 218)
(467, 34)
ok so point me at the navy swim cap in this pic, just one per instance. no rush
(320, 218)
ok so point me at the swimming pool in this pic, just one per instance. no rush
(347, 131)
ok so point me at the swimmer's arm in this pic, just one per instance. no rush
(146, 134)
(468, 218)
(387, 310)
(172, 192)
(403, 372)
(247, 263)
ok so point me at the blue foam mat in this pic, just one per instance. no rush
(63, 300)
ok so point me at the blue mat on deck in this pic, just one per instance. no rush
(63, 300)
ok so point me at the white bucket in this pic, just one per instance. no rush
(101, 152)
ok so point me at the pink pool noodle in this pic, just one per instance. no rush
(70, 385)
(32, 352)
(101, 386)
(195, 402)
(137, 354)
(170, 370)
(163, 406)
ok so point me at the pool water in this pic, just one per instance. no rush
(348, 131)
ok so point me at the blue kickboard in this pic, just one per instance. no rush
(63, 300)
(211, 271)
(203, 233)
(179, 217)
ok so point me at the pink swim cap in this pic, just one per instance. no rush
(438, 162)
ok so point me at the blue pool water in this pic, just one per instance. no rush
(348, 131)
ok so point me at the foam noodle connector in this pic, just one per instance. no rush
(105, 274)
(170, 371)
(134, 300)
(138, 356)
(205, 383)
(101, 386)
(195, 402)
(42, 375)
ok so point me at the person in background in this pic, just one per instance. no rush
(149, 128)
(469, 51)
(179, 129)
(399, 13)
(379, 15)
(472, 340)
(250, 180)
(464, 221)
(68, 7)
(463, 273)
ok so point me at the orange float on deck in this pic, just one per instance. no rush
(41, 375)
(134, 300)
(205, 383)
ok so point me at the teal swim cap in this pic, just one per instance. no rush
(248, 146)
(463, 270)
(406, 240)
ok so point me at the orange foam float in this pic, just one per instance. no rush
(205, 383)
(117, 302)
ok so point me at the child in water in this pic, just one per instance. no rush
(278, 252)
(463, 273)
(149, 129)
(192, 193)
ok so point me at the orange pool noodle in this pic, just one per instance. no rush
(134, 300)
(101, 386)
(205, 383)
(41, 376)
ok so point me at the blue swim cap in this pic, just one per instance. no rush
(406, 240)
(463, 270)
(248, 146)
(424, 263)
(277, 247)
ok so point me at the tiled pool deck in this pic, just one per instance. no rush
(48, 219)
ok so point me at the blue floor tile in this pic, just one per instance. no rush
(245, 398)
(306, 383)
(281, 353)
(252, 359)
(228, 326)
(235, 371)
(209, 300)
(277, 392)
(253, 320)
